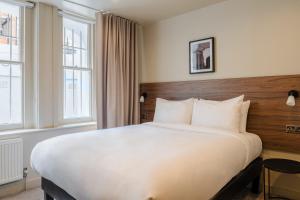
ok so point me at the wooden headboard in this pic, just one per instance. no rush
(268, 114)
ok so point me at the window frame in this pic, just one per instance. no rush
(10, 126)
(90, 68)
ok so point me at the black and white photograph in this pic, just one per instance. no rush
(202, 56)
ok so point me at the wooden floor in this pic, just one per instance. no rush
(37, 194)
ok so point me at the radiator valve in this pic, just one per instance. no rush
(25, 172)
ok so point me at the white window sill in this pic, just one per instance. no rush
(8, 133)
(83, 124)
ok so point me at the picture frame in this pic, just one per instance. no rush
(202, 56)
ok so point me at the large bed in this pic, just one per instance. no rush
(148, 161)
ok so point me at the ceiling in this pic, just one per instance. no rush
(142, 11)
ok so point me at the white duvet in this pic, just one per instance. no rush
(148, 161)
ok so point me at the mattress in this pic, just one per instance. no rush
(148, 161)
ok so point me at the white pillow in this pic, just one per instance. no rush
(173, 111)
(223, 115)
(244, 110)
(244, 115)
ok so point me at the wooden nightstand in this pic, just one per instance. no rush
(279, 165)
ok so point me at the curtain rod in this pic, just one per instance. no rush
(82, 5)
(27, 4)
(80, 17)
(101, 11)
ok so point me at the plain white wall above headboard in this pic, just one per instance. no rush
(253, 38)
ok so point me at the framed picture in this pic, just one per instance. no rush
(202, 56)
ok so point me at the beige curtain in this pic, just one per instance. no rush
(117, 65)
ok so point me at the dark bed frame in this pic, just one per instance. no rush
(251, 174)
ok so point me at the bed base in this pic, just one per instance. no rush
(249, 175)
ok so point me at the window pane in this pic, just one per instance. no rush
(11, 85)
(84, 40)
(10, 94)
(16, 70)
(9, 32)
(68, 40)
(4, 48)
(77, 58)
(86, 93)
(4, 94)
(68, 94)
(77, 92)
(77, 38)
(84, 59)
(5, 28)
(16, 54)
(9, 18)
(4, 70)
(68, 56)
(16, 94)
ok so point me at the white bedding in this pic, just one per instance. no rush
(148, 161)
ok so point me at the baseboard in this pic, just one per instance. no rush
(33, 183)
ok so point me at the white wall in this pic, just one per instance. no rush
(253, 38)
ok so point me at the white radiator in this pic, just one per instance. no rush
(11, 160)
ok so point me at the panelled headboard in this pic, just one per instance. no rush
(268, 114)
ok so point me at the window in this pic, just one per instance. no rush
(77, 69)
(11, 66)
